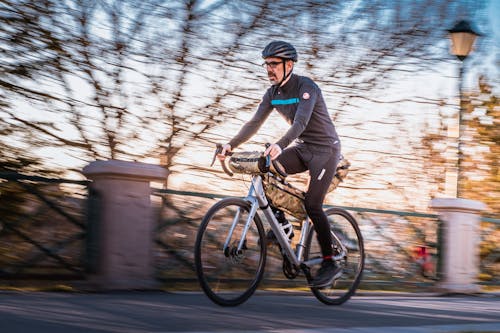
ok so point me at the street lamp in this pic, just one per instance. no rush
(462, 39)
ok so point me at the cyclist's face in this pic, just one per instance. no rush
(275, 68)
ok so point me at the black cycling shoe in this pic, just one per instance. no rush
(328, 272)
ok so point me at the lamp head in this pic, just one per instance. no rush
(462, 39)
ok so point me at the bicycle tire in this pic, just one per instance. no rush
(347, 230)
(229, 277)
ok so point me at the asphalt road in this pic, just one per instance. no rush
(127, 312)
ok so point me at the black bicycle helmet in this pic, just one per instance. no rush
(280, 49)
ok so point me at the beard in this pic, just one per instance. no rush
(272, 78)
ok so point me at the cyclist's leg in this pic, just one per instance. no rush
(322, 169)
(322, 166)
(292, 160)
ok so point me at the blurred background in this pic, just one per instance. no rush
(163, 81)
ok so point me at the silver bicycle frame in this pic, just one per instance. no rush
(257, 199)
(282, 238)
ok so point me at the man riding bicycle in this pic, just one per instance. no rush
(316, 144)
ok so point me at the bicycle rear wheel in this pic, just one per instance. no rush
(345, 229)
(229, 276)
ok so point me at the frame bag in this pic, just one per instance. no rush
(285, 197)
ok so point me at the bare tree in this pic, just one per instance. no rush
(156, 79)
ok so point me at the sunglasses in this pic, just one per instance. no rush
(272, 64)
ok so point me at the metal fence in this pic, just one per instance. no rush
(42, 227)
(402, 248)
(44, 234)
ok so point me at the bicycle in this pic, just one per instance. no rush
(231, 249)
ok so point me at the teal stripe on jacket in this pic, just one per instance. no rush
(284, 101)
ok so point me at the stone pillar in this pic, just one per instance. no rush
(124, 243)
(460, 237)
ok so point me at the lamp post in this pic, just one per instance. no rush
(462, 39)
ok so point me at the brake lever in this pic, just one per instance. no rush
(218, 150)
(268, 157)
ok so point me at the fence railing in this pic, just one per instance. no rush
(402, 248)
(42, 227)
(44, 233)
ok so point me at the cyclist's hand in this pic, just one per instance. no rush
(225, 149)
(273, 150)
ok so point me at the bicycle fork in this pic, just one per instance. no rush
(241, 243)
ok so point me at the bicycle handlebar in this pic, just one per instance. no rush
(276, 165)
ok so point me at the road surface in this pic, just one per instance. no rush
(130, 312)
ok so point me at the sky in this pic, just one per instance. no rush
(440, 83)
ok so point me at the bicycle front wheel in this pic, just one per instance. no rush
(350, 256)
(229, 260)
